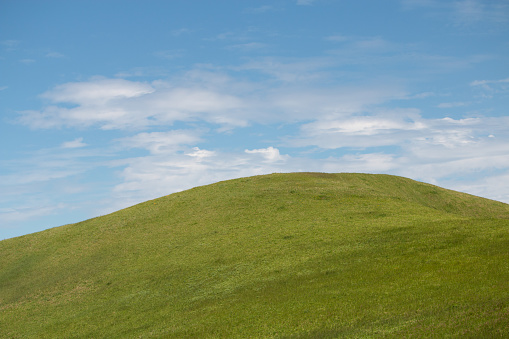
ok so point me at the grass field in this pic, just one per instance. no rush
(303, 255)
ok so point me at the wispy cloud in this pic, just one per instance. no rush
(490, 88)
(418, 3)
(76, 143)
(469, 11)
(305, 2)
(161, 142)
(142, 72)
(401, 127)
(504, 83)
(169, 55)
(55, 55)
(290, 70)
(22, 213)
(472, 11)
(10, 45)
(181, 31)
(250, 46)
(337, 38)
(400, 57)
(47, 184)
(464, 12)
(453, 104)
(48, 164)
(97, 91)
(260, 10)
(495, 186)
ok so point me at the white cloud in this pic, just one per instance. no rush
(97, 91)
(432, 150)
(361, 126)
(386, 128)
(161, 142)
(449, 138)
(332, 103)
(201, 96)
(200, 153)
(123, 104)
(447, 169)
(492, 87)
(398, 127)
(215, 97)
(76, 143)
(270, 154)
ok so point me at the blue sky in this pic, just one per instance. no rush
(105, 104)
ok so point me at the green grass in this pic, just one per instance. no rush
(303, 255)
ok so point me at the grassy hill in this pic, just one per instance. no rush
(300, 255)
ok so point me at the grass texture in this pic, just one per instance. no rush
(301, 255)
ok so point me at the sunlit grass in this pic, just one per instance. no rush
(285, 255)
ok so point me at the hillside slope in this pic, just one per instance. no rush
(282, 255)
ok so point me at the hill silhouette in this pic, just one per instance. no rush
(283, 255)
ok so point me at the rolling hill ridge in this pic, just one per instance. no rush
(275, 256)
